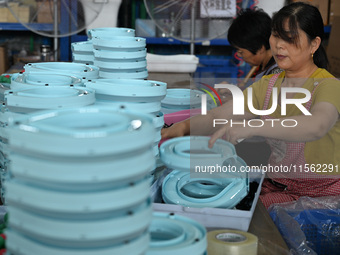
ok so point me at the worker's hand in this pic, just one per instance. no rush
(231, 134)
(225, 94)
(176, 130)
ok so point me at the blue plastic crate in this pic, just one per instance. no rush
(219, 67)
(321, 228)
(216, 61)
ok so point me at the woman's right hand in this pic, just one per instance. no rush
(176, 130)
(225, 94)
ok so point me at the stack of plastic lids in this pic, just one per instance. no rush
(84, 71)
(202, 176)
(79, 182)
(119, 55)
(173, 234)
(183, 99)
(82, 52)
(30, 93)
(142, 96)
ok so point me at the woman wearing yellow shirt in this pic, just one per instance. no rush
(307, 151)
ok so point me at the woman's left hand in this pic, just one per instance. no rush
(231, 134)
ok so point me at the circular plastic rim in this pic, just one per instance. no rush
(121, 43)
(175, 152)
(235, 189)
(144, 107)
(85, 46)
(89, 131)
(45, 200)
(118, 65)
(94, 174)
(84, 58)
(124, 75)
(110, 31)
(189, 236)
(120, 55)
(27, 80)
(15, 242)
(159, 121)
(130, 88)
(49, 97)
(82, 233)
(83, 62)
(81, 70)
(182, 97)
(200, 189)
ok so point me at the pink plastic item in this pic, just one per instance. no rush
(175, 117)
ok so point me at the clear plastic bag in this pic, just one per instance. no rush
(309, 225)
(3, 211)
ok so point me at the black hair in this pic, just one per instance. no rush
(250, 30)
(305, 17)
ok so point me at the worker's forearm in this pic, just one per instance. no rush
(210, 123)
(204, 124)
(201, 124)
(306, 128)
(294, 129)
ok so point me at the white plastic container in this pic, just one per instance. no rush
(107, 17)
(214, 217)
(180, 63)
(270, 6)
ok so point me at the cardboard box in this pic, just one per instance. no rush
(15, 8)
(23, 12)
(334, 10)
(4, 64)
(333, 52)
(322, 5)
(27, 59)
(45, 11)
(3, 14)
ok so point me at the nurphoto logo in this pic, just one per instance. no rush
(238, 105)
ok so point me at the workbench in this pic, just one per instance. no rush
(270, 239)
